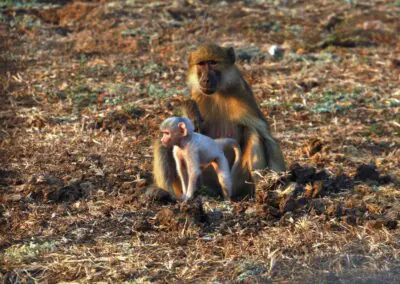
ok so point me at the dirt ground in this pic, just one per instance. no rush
(84, 85)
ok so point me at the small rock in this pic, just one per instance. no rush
(244, 56)
(340, 182)
(194, 208)
(367, 172)
(87, 187)
(317, 207)
(156, 194)
(391, 224)
(301, 174)
(67, 193)
(269, 210)
(53, 195)
(301, 202)
(70, 193)
(385, 179)
(321, 175)
(276, 52)
(287, 204)
(249, 53)
(298, 189)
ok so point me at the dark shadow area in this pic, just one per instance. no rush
(9, 121)
(302, 191)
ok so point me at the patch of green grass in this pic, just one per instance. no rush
(273, 103)
(377, 129)
(149, 69)
(335, 101)
(29, 252)
(248, 269)
(114, 100)
(83, 96)
(25, 22)
(130, 108)
(85, 99)
(83, 59)
(295, 29)
(131, 71)
(132, 32)
(118, 89)
(298, 106)
(392, 102)
(156, 90)
(116, 94)
(327, 57)
(152, 68)
(276, 27)
(17, 3)
(319, 58)
(351, 2)
(123, 69)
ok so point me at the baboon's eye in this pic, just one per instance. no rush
(207, 62)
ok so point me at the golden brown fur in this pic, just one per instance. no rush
(230, 111)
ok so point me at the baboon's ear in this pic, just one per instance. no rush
(231, 54)
(182, 128)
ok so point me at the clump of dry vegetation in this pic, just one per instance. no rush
(84, 85)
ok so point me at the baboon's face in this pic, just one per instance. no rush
(208, 67)
(209, 76)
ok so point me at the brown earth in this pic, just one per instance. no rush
(84, 85)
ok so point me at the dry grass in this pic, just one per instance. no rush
(83, 87)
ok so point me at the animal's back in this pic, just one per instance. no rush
(209, 150)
